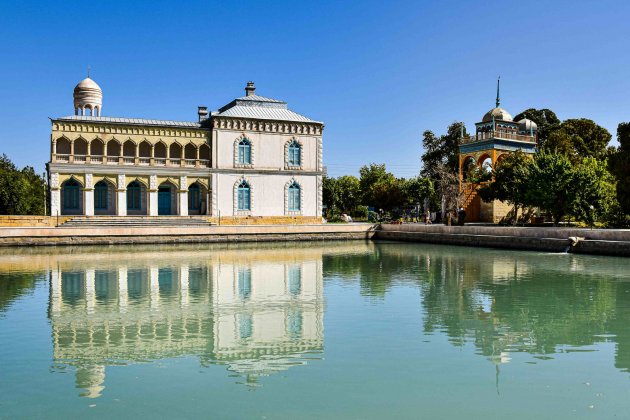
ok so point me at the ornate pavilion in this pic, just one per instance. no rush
(496, 136)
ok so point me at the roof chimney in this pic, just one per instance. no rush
(250, 89)
(203, 113)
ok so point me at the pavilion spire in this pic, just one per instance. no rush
(498, 86)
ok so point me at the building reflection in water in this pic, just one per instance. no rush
(255, 315)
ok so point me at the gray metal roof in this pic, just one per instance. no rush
(259, 99)
(132, 121)
(263, 113)
(261, 108)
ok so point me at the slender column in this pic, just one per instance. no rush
(183, 284)
(183, 196)
(71, 158)
(153, 196)
(154, 284)
(121, 199)
(197, 163)
(88, 196)
(137, 157)
(122, 288)
(55, 195)
(55, 291)
(90, 291)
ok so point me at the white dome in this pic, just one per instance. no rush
(88, 98)
(498, 114)
(526, 125)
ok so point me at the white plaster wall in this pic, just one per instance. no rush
(268, 149)
(267, 195)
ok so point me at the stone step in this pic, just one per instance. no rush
(134, 221)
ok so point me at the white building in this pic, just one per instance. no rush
(252, 158)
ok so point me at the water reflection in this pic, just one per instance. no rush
(256, 313)
(505, 302)
(259, 309)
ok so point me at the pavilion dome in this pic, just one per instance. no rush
(526, 125)
(498, 114)
(88, 98)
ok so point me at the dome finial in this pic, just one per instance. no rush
(498, 85)
(88, 71)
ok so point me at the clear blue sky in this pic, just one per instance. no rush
(377, 73)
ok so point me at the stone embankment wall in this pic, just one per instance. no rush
(596, 241)
(31, 221)
(51, 221)
(35, 236)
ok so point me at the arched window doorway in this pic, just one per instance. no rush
(243, 199)
(167, 199)
(194, 198)
(136, 198)
(72, 200)
(294, 197)
(244, 152)
(294, 151)
(104, 198)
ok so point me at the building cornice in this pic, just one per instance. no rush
(241, 124)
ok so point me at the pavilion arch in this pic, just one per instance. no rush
(160, 150)
(144, 150)
(190, 151)
(97, 147)
(63, 146)
(500, 158)
(71, 197)
(129, 148)
(468, 165)
(175, 151)
(80, 147)
(105, 197)
(485, 162)
(113, 148)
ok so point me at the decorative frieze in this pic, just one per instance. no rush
(241, 124)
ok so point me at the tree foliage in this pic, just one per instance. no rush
(546, 120)
(620, 166)
(22, 191)
(441, 152)
(551, 184)
(578, 139)
(511, 181)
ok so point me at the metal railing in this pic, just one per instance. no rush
(130, 160)
(499, 135)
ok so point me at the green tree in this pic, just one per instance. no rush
(551, 185)
(546, 120)
(620, 166)
(578, 139)
(417, 190)
(511, 181)
(441, 151)
(349, 193)
(21, 191)
(331, 195)
(594, 191)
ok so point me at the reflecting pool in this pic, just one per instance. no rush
(313, 330)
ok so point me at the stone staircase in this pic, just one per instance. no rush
(136, 221)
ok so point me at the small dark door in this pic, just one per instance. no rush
(164, 200)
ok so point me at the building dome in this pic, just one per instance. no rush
(498, 114)
(527, 126)
(88, 98)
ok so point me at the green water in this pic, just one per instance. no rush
(326, 330)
